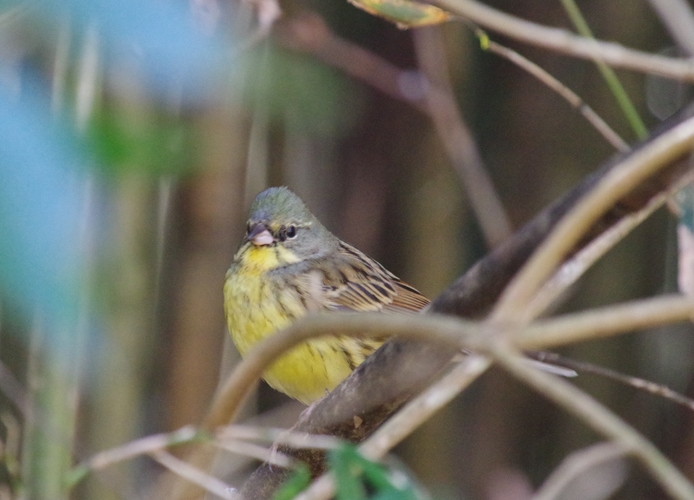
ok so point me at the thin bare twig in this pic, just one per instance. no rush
(255, 451)
(569, 95)
(640, 165)
(418, 410)
(140, 447)
(558, 331)
(599, 418)
(233, 438)
(291, 438)
(307, 32)
(195, 475)
(439, 394)
(408, 419)
(423, 406)
(456, 333)
(635, 382)
(571, 270)
(565, 42)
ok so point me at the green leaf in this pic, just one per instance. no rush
(345, 466)
(296, 483)
(354, 474)
(608, 74)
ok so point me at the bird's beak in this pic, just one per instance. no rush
(260, 235)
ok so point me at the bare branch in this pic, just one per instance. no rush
(599, 418)
(565, 42)
(403, 423)
(569, 95)
(422, 407)
(571, 270)
(678, 18)
(566, 329)
(605, 321)
(248, 372)
(635, 382)
(139, 447)
(278, 436)
(255, 451)
(195, 475)
(455, 333)
(308, 32)
(639, 166)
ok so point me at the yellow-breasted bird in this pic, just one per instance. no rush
(289, 265)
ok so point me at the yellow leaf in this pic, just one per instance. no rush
(404, 13)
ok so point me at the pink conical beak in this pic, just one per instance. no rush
(260, 235)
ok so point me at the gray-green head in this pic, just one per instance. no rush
(279, 217)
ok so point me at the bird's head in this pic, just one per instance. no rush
(279, 221)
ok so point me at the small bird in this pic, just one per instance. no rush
(289, 265)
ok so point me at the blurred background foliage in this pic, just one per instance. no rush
(133, 136)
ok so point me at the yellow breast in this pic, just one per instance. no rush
(256, 308)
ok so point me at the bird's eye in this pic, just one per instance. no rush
(248, 227)
(291, 231)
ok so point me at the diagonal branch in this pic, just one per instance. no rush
(653, 156)
(566, 93)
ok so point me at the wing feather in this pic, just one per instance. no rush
(353, 281)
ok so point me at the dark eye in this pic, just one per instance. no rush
(291, 232)
(248, 227)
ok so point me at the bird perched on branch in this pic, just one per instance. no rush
(290, 265)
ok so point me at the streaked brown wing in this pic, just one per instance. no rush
(355, 282)
(407, 299)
